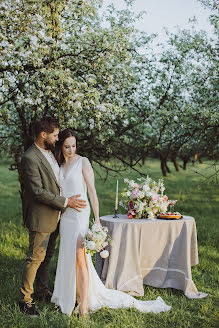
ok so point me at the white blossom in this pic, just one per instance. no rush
(34, 39)
(104, 254)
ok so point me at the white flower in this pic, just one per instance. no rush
(125, 122)
(33, 39)
(146, 187)
(128, 193)
(140, 194)
(150, 215)
(162, 188)
(105, 229)
(141, 207)
(96, 228)
(29, 101)
(123, 205)
(78, 104)
(105, 244)
(99, 245)
(104, 254)
(91, 245)
(100, 237)
(148, 194)
(11, 79)
(102, 107)
(89, 234)
(163, 207)
(132, 183)
(38, 101)
(64, 46)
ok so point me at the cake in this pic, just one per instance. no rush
(169, 215)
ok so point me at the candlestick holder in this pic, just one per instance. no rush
(116, 216)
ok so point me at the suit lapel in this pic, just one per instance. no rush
(45, 163)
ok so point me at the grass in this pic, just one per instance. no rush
(196, 198)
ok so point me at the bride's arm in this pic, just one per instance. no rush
(88, 175)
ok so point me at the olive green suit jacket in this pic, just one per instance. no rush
(41, 192)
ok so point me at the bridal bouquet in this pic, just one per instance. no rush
(96, 240)
(144, 199)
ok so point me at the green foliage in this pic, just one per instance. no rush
(101, 76)
(59, 59)
(214, 7)
(196, 198)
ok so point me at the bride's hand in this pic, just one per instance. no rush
(97, 221)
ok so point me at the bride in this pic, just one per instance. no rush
(76, 277)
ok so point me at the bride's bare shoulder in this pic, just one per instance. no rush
(85, 161)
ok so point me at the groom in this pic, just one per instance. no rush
(42, 205)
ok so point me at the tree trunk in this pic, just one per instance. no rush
(200, 160)
(163, 167)
(21, 191)
(143, 160)
(212, 152)
(176, 165)
(167, 167)
(185, 161)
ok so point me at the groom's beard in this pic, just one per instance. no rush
(49, 146)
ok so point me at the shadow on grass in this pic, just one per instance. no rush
(10, 277)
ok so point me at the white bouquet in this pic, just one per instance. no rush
(144, 199)
(96, 240)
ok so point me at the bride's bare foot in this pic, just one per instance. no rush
(83, 310)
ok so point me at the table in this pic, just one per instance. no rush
(155, 252)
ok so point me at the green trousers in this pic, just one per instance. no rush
(36, 267)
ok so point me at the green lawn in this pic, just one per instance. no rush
(196, 198)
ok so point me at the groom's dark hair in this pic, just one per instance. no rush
(45, 124)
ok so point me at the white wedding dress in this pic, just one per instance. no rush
(74, 223)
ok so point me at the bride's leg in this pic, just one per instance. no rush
(82, 277)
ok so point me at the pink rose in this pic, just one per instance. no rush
(155, 196)
(131, 213)
(165, 198)
(134, 192)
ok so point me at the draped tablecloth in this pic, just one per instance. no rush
(154, 252)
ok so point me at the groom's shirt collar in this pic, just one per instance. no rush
(46, 151)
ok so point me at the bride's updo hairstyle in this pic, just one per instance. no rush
(62, 136)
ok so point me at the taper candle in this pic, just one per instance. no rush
(117, 194)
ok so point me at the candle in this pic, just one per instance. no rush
(117, 190)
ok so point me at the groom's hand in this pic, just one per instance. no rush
(76, 203)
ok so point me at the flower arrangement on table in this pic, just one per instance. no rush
(96, 240)
(144, 199)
